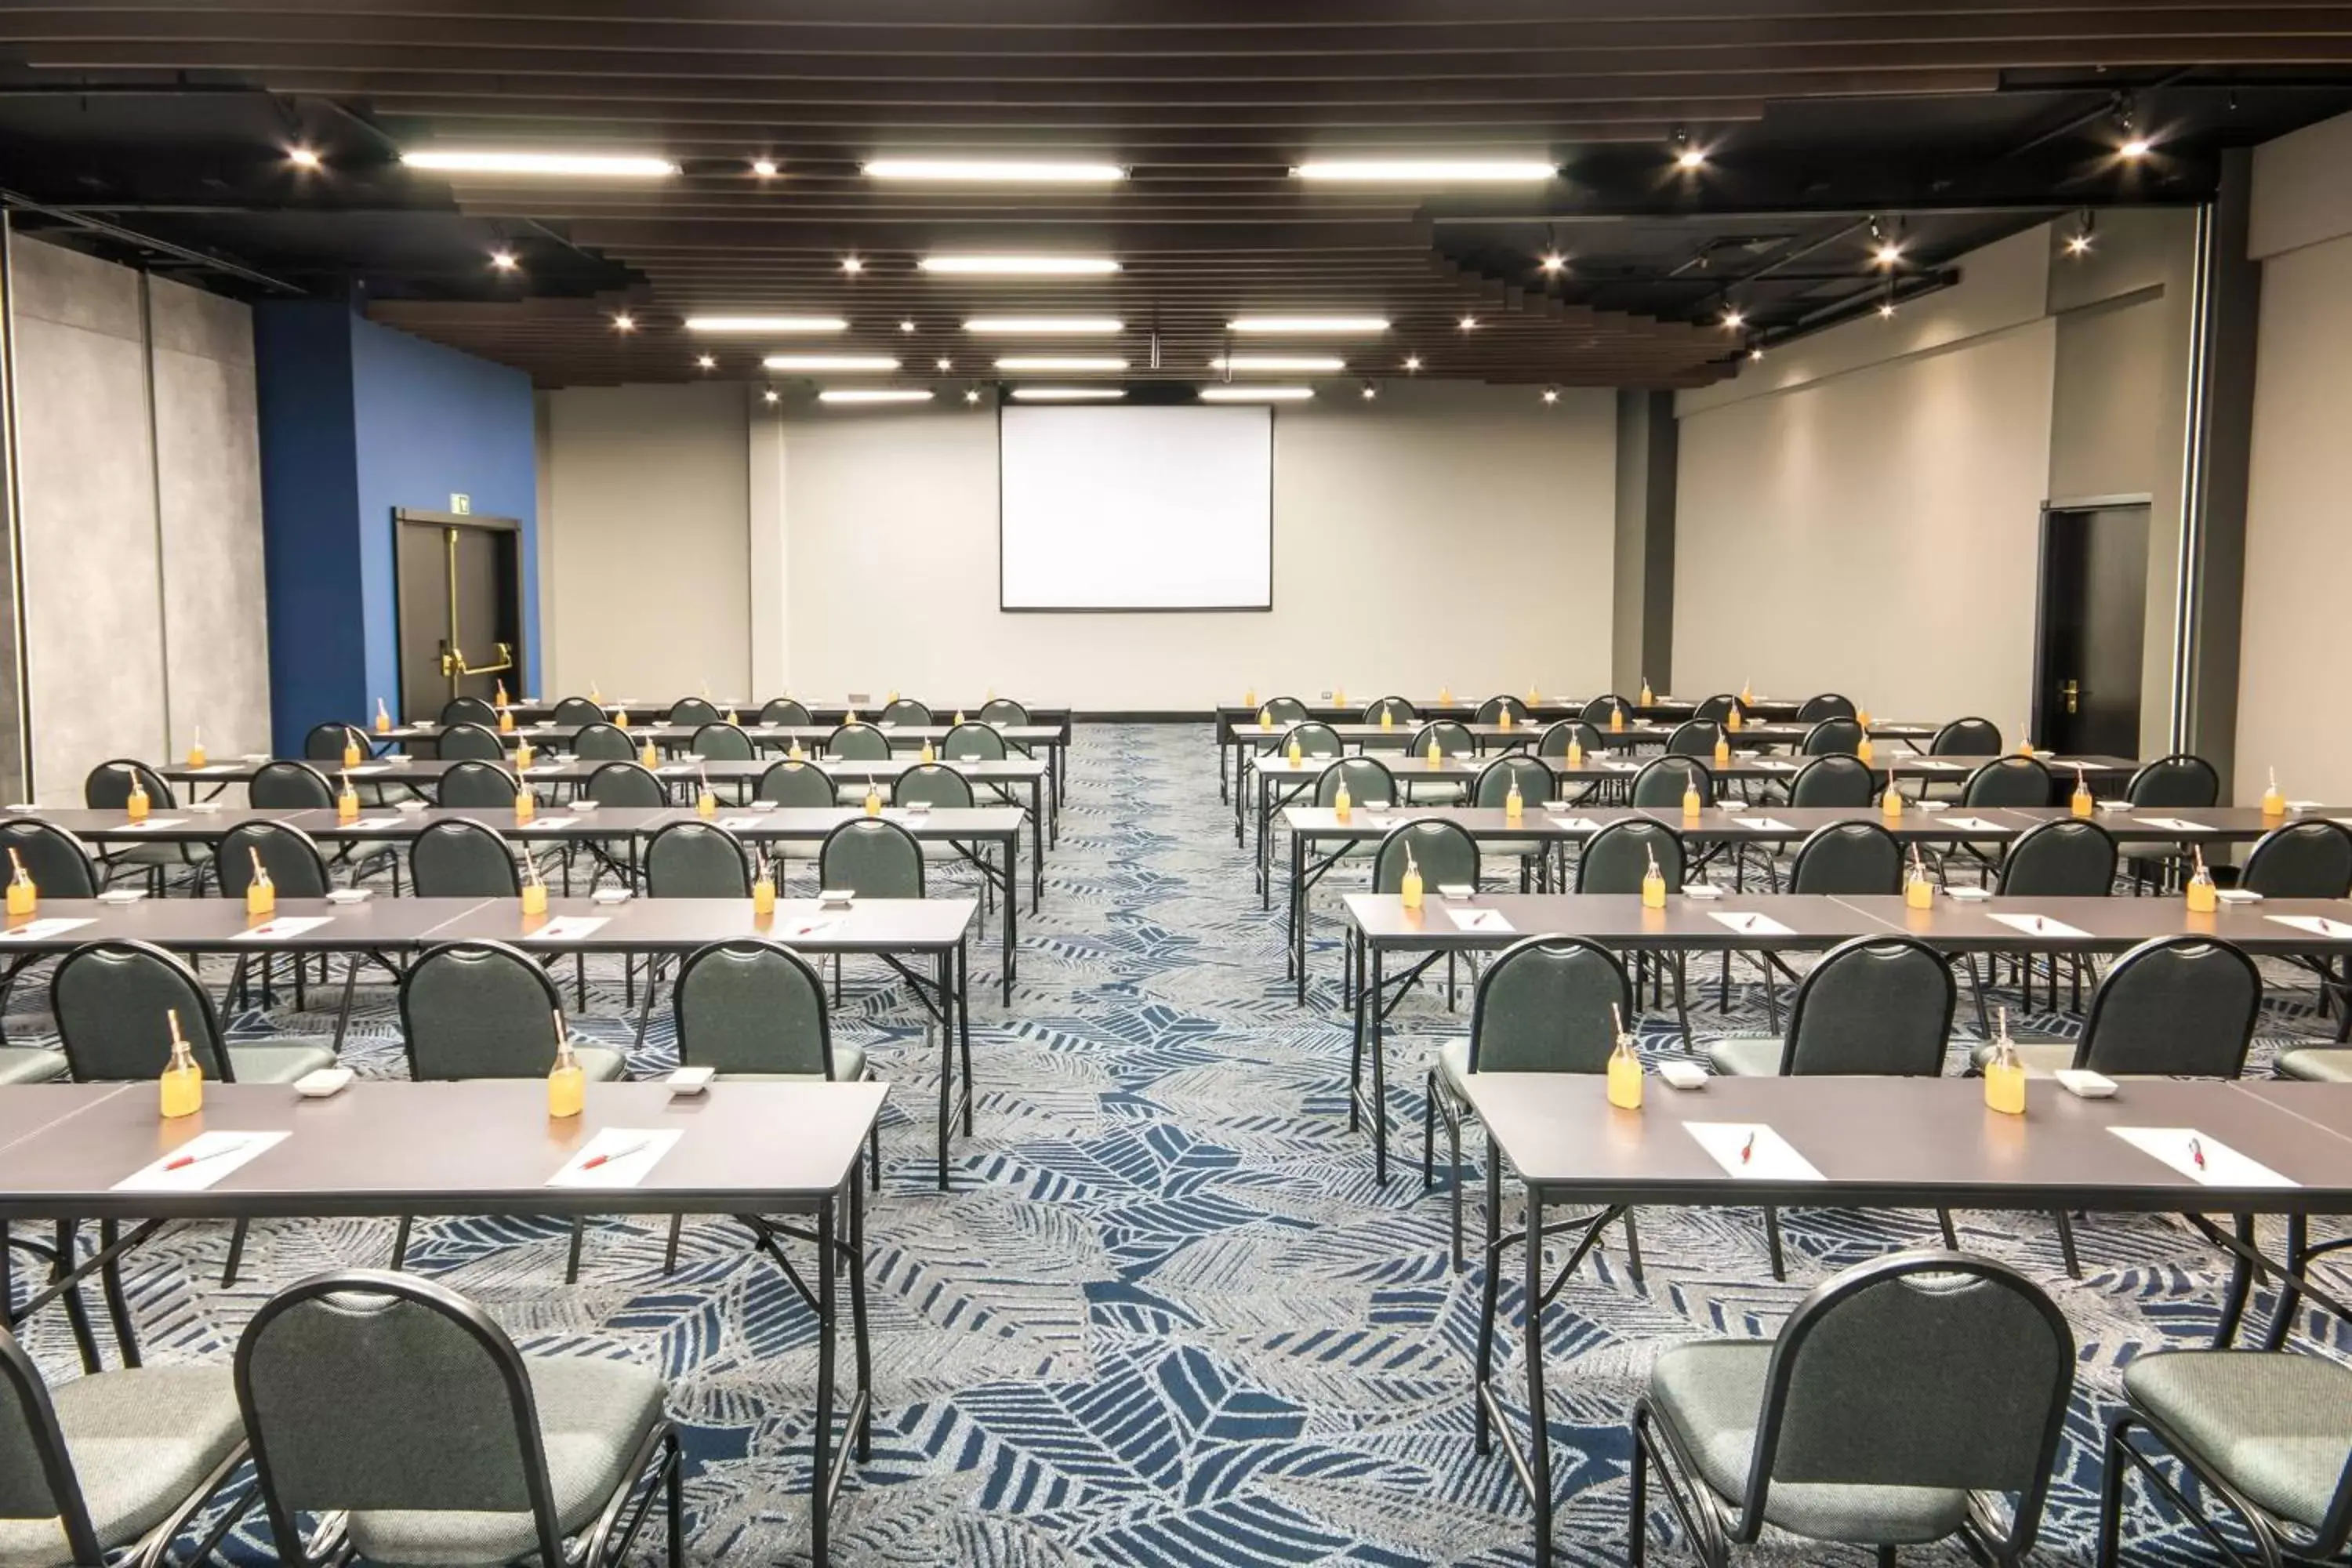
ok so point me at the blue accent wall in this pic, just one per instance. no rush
(359, 420)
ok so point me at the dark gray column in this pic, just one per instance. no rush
(1642, 641)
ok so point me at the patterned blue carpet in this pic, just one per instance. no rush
(1166, 1317)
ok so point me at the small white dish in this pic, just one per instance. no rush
(918, 808)
(23, 805)
(583, 804)
(764, 806)
(121, 895)
(2084, 1084)
(610, 896)
(323, 1084)
(1454, 892)
(1683, 1075)
(2115, 805)
(1556, 805)
(350, 895)
(835, 897)
(2238, 896)
(1702, 891)
(409, 805)
(205, 806)
(1967, 895)
(690, 1080)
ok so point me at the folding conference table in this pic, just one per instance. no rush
(1783, 922)
(486, 1147)
(2160, 1145)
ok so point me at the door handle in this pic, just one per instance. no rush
(2071, 692)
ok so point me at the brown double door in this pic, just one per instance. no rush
(460, 608)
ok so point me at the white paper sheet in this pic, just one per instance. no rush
(1934, 764)
(1479, 919)
(1769, 1156)
(2179, 1147)
(1576, 825)
(1750, 924)
(369, 823)
(1972, 824)
(808, 926)
(1615, 767)
(217, 768)
(545, 823)
(1772, 764)
(739, 824)
(2172, 825)
(283, 926)
(567, 928)
(211, 1156)
(41, 929)
(1764, 824)
(366, 769)
(2037, 925)
(2316, 925)
(628, 1155)
(151, 823)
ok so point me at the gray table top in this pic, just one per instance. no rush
(1641, 733)
(424, 772)
(545, 732)
(477, 1147)
(676, 925)
(1740, 823)
(1909, 1141)
(210, 925)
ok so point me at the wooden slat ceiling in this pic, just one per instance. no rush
(1951, 120)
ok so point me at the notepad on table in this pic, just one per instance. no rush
(2316, 925)
(616, 1157)
(2038, 925)
(41, 929)
(1751, 1151)
(2203, 1159)
(283, 927)
(151, 823)
(2173, 825)
(567, 928)
(1576, 825)
(1479, 919)
(1972, 824)
(1764, 824)
(1750, 924)
(200, 1162)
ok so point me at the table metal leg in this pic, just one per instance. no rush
(1036, 864)
(820, 1469)
(1011, 918)
(947, 1059)
(1291, 944)
(864, 1343)
(1379, 1079)
(1489, 1294)
(1538, 1423)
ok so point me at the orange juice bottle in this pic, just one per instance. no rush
(1617, 716)
(1648, 698)
(1654, 885)
(523, 756)
(1575, 748)
(2273, 802)
(1722, 750)
(567, 1081)
(1436, 753)
(1342, 804)
(383, 717)
(1295, 752)
(1503, 719)
(620, 718)
(1409, 885)
(793, 753)
(346, 801)
(526, 805)
(506, 721)
(24, 897)
(2082, 803)
(2203, 900)
(184, 1079)
(1513, 806)
(1918, 892)
(1890, 804)
(134, 805)
(353, 752)
(1732, 718)
(649, 755)
(1692, 804)
(534, 892)
(1624, 1069)
(763, 889)
(1266, 718)
(873, 798)
(498, 699)
(196, 749)
(1863, 749)
(260, 893)
(926, 756)
(2004, 1075)
(705, 799)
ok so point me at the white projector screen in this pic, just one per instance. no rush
(1136, 509)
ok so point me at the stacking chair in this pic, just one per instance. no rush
(906, 710)
(1446, 855)
(1965, 738)
(1693, 738)
(577, 712)
(1857, 858)
(2013, 780)
(401, 1419)
(970, 743)
(1715, 709)
(62, 869)
(1551, 1004)
(874, 857)
(325, 743)
(1840, 736)
(112, 1466)
(478, 743)
(1491, 711)
(1453, 739)
(107, 788)
(1493, 789)
(938, 786)
(1828, 705)
(2071, 858)
(1662, 782)
(468, 711)
(1893, 1399)
(1553, 742)
(1402, 718)
(722, 742)
(1873, 1007)
(1004, 711)
(2179, 781)
(1838, 778)
(462, 859)
(478, 784)
(1613, 861)
(298, 786)
(783, 711)
(297, 868)
(792, 783)
(1597, 710)
(697, 861)
(692, 710)
(859, 743)
(2310, 859)
(603, 742)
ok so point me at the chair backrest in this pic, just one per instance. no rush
(1856, 857)
(2008, 780)
(1494, 780)
(468, 711)
(1400, 711)
(2180, 779)
(461, 859)
(749, 1005)
(1285, 709)
(1596, 711)
(324, 742)
(292, 785)
(476, 784)
(290, 855)
(1663, 780)
(1369, 782)
(1693, 738)
(477, 742)
(1453, 738)
(1828, 705)
(38, 1479)
(603, 742)
(1616, 859)
(1491, 711)
(693, 711)
(477, 1009)
(789, 783)
(366, 1390)
(1715, 709)
(2067, 859)
(1544, 1006)
(857, 743)
(1004, 711)
(1926, 1369)
(2180, 1005)
(1878, 1005)
(626, 785)
(1314, 738)
(723, 743)
(61, 865)
(784, 710)
(1553, 742)
(108, 785)
(1446, 855)
(575, 712)
(1838, 736)
(2308, 859)
(906, 710)
(931, 783)
(1966, 738)
(969, 741)
(697, 861)
(873, 857)
(111, 998)
(1837, 779)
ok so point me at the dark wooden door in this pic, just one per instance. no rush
(460, 609)
(2094, 624)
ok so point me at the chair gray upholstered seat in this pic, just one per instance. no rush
(30, 1064)
(602, 1064)
(277, 1061)
(1453, 1061)
(142, 1441)
(2316, 1064)
(2272, 1424)
(2042, 1057)
(594, 1419)
(1713, 1392)
(1748, 1056)
(848, 1067)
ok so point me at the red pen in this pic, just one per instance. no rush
(182, 1162)
(2197, 1152)
(610, 1155)
(1748, 1148)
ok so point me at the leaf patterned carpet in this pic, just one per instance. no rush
(1166, 1316)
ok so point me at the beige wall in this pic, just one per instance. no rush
(642, 515)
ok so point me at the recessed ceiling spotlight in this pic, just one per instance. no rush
(1289, 364)
(625, 322)
(875, 394)
(704, 362)
(1370, 392)
(879, 362)
(1887, 254)
(504, 261)
(1756, 353)
(971, 395)
(501, 163)
(1021, 265)
(1413, 362)
(1300, 325)
(1734, 318)
(906, 326)
(852, 264)
(1887, 309)
(1006, 171)
(1469, 323)
(1551, 395)
(945, 363)
(1060, 362)
(769, 396)
(1426, 171)
(2135, 148)
(2086, 234)
(1687, 157)
(1553, 262)
(303, 157)
(766, 324)
(764, 167)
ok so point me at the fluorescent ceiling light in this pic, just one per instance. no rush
(1021, 265)
(766, 324)
(495, 163)
(1069, 394)
(875, 394)
(1041, 326)
(1256, 394)
(1009, 171)
(830, 362)
(1289, 364)
(1426, 171)
(1304, 324)
(1060, 362)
